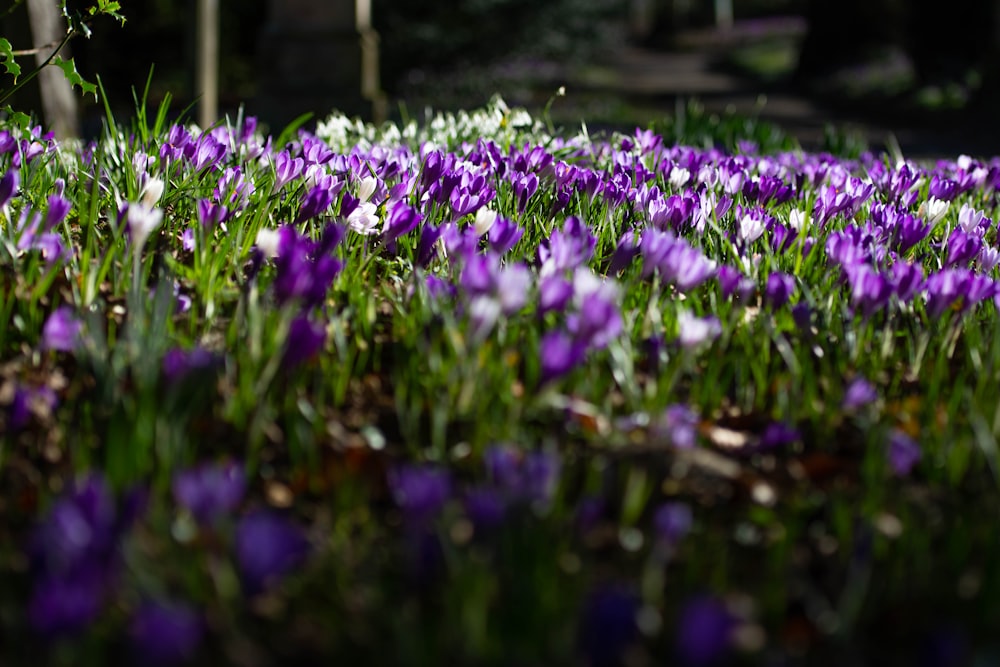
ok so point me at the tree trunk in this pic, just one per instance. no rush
(59, 105)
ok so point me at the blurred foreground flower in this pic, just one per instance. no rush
(522, 476)
(704, 631)
(210, 491)
(697, 331)
(904, 453)
(74, 551)
(858, 394)
(420, 491)
(165, 633)
(677, 426)
(672, 522)
(61, 330)
(268, 547)
(608, 625)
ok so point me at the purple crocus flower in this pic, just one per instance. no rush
(485, 507)
(211, 214)
(597, 323)
(420, 491)
(210, 491)
(188, 240)
(559, 354)
(697, 331)
(625, 252)
(304, 270)
(672, 522)
(61, 331)
(178, 362)
(19, 410)
(305, 340)
(779, 289)
(58, 209)
(704, 631)
(777, 434)
(315, 202)
(904, 453)
(675, 260)
(554, 293)
(943, 188)
(677, 425)
(734, 283)
(8, 186)
(79, 530)
(907, 280)
(504, 235)
(608, 625)
(567, 248)
(907, 231)
(427, 246)
(438, 287)
(962, 247)
(464, 202)
(165, 633)
(530, 477)
(858, 394)
(175, 143)
(988, 258)
(286, 169)
(946, 287)
(402, 219)
(870, 291)
(524, 187)
(64, 606)
(480, 274)
(333, 235)
(205, 152)
(268, 546)
(73, 550)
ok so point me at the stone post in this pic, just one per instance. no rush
(318, 55)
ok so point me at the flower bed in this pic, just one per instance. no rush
(481, 393)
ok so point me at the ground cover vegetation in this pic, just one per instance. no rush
(480, 391)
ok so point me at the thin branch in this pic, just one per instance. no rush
(38, 49)
(32, 74)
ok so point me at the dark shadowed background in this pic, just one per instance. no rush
(913, 63)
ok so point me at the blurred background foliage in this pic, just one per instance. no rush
(453, 53)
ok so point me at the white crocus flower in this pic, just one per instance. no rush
(364, 219)
(797, 219)
(751, 228)
(969, 219)
(151, 192)
(933, 210)
(142, 220)
(679, 176)
(367, 188)
(267, 241)
(485, 219)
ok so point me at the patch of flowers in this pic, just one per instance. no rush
(474, 390)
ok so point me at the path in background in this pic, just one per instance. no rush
(658, 78)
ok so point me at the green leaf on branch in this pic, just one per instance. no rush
(7, 53)
(17, 119)
(69, 71)
(108, 8)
